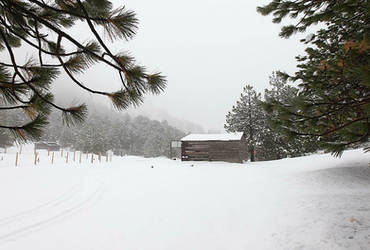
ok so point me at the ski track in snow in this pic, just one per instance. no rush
(312, 202)
(40, 208)
(44, 215)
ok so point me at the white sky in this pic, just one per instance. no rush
(208, 49)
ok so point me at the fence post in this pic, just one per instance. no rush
(35, 157)
(67, 157)
(48, 151)
(74, 155)
(106, 156)
(52, 157)
(80, 156)
(92, 157)
(16, 159)
(99, 157)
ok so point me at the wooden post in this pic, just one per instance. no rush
(67, 157)
(106, 156)
(99, 157)
(92, 158)
(87, 155)
(16, 159)
(35, 157)
(80, 157)
(52, 157)
(74, 155)
(48, 151)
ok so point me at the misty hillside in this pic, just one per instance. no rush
(105, 129)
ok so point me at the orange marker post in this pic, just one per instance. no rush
(52, 157)
(16, 159)
(35, 158)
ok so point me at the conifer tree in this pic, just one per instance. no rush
(276, 144)
(43, 26)
(333, 104)
(247, 116)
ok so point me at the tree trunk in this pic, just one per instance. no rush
(252, 153)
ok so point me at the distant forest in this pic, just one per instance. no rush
(105, 130)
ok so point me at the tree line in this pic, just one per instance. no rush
(266, 141)
(105, 130)
(333, 103)
(330, 109)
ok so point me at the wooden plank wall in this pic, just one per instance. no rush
(229, 151)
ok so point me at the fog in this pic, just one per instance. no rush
(208, 50)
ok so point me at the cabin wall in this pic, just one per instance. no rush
(229, 151)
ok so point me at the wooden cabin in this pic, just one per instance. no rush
(229, 147)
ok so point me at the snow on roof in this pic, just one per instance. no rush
(213, 137)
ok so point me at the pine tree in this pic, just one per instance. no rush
(43, 26)
(276, 144)
(247, 116)
(333, 104)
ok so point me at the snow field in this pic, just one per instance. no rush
(312, 202)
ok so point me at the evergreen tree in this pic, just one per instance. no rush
(5, 139)
(108, 130)
(333, 104)
(247, 116)
(276, 144)
(44, 26)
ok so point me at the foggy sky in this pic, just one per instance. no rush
(208, 49)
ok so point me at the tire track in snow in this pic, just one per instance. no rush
(41, 208)
(41, 223)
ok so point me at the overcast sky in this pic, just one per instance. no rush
(208, 49)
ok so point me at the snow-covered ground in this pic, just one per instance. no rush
(312, 202)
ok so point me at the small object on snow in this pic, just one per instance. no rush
(191, 165)
(350, 237)
(174, 159)
(152, 166)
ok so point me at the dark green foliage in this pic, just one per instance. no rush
(276, 143)
(44, 26)
(333, 104)
(247, 116)
(260, 123)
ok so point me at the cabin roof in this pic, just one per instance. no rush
(214, 137)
